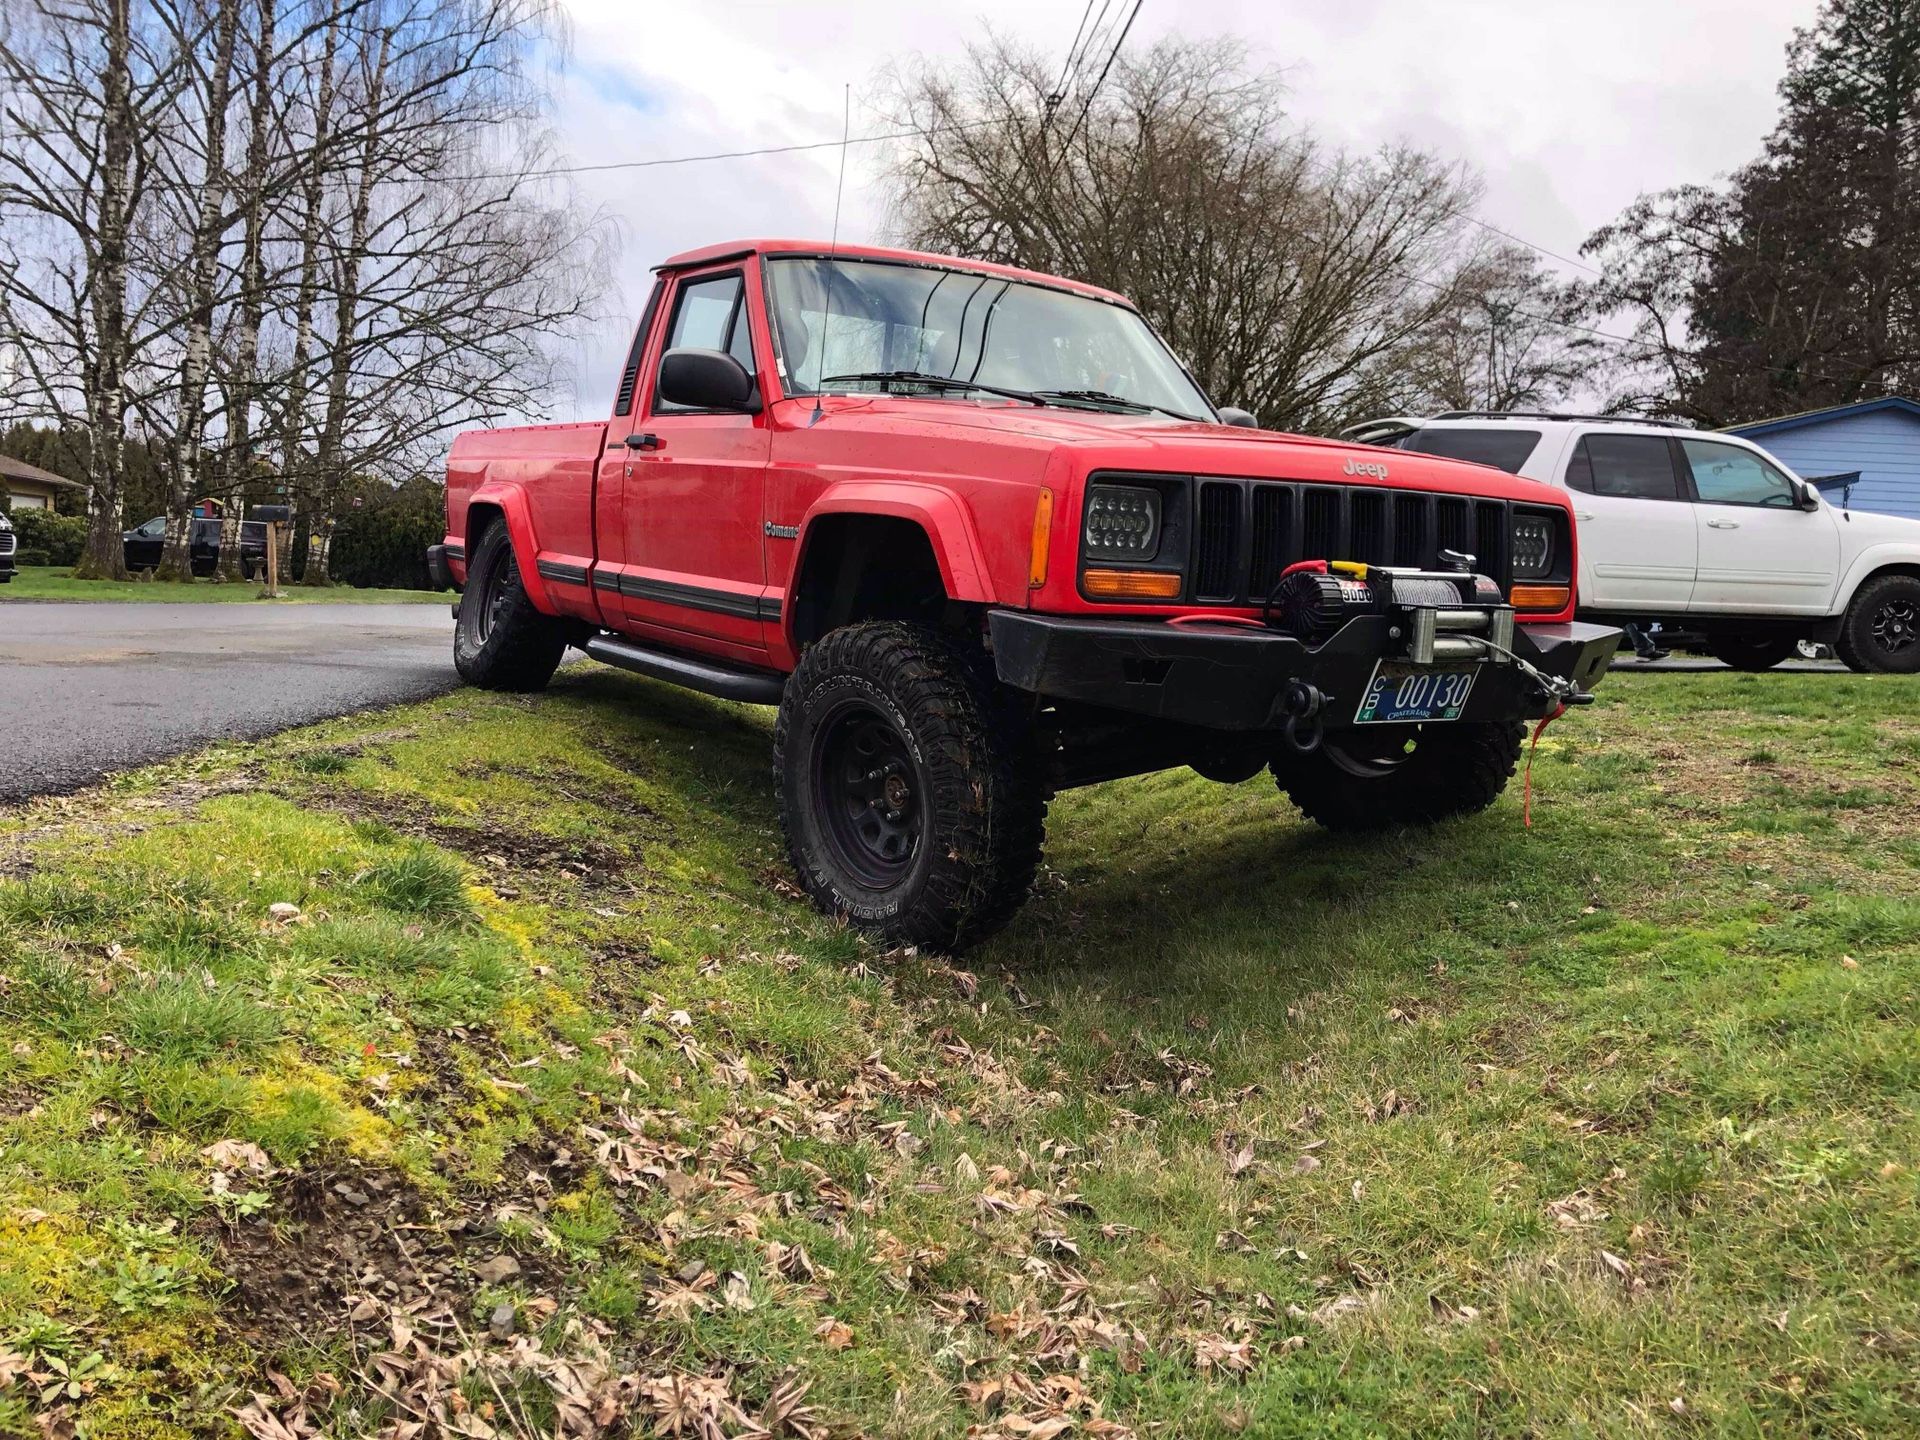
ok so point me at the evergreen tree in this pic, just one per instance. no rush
(1795, 285)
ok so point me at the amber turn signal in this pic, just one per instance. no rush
(1540, 597)
(1042, 540)
(1130, 585)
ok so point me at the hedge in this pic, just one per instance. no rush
(383, 541)
(45, 538)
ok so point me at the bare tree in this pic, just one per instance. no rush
(84, 90)
(325, 229)
(1514, 339)
(1291, 278)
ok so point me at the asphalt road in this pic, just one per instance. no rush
(90, 689)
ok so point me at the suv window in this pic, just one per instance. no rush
(1504, 449)
(1729, 475)
(711, 314)
(1628, 467)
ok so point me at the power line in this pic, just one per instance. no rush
(1059, 91)
(1094, 91)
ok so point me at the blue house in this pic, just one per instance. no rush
(1873, 445)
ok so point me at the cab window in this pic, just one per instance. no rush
(1729, 475)
(1626, 467)
(711, 314)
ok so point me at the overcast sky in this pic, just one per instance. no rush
(1567, 108)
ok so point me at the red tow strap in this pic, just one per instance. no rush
(1526, 804)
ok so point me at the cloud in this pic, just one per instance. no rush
(1568, 109)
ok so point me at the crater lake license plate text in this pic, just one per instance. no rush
(1402, 692)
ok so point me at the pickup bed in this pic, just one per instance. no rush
(980, 536)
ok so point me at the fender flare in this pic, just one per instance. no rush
(511, 501)
(1884, 555)
(947, 523)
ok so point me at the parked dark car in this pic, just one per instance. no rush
(8, 543)
(144, 543)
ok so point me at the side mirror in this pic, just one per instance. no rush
(1234, 415)
(706, 380)
(1809, 500)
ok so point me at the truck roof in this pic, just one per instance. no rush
(736, 249)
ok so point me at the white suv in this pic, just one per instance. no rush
(1705, 532)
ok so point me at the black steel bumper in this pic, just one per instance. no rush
(1230, 677)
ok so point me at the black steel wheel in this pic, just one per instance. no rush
(1389, 775)
(1881, 629)
(912, 798)
(870, 789)
(501, 641)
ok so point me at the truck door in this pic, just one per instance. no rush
(1638, 549)
(690, 512)
(1760, 553)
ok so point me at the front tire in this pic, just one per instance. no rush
(1360, 782)
(1881, 629)
(912, 800)
(1753, 655)
(501, 642)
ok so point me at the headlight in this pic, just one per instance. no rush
(1532, 546)
(1122, 522)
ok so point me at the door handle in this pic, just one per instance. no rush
(1723, 524)
(643, 441)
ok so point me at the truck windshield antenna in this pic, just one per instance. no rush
(833, 247)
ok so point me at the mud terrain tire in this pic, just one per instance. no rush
(912, 798)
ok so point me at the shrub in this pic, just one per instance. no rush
(49, 539)
(383, 540)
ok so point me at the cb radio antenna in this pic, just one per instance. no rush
(833, 245)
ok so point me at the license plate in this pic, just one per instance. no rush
(1402, 693)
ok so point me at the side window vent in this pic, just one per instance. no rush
(623, 402)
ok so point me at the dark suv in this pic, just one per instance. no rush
(144, 543)
(9, 542)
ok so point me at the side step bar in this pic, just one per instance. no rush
(709, 677)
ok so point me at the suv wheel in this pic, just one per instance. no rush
(501, 641)
(1881, 629)
(1376, 779)
(1743, 653)
(912, 800)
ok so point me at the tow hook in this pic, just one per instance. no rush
(1302, 702)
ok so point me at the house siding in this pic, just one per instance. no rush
(1883, 446)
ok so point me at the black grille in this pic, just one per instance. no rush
(6, 542)
(1216, 561)
(1281, 522)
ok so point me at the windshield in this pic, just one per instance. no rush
(890, 319)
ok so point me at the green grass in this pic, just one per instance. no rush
(1609, 1127)
(49, 582)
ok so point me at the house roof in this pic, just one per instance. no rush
(13, 469)
(1832, 412)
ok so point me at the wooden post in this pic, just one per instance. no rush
(275, 516)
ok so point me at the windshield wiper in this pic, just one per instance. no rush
(936, 382)
(1107, 397)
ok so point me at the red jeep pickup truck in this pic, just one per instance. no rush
(980, 536)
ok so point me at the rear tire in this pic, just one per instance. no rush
(1742, 653)
(912, 799)
(1881, 630)
(1452, 769)
(501, 642)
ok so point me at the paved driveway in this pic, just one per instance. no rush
(88, 689)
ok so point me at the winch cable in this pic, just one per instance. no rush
(1526, 794)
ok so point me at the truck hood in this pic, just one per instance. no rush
(1103, 441)
(1860, 528)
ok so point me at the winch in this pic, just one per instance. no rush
(1440, 615)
